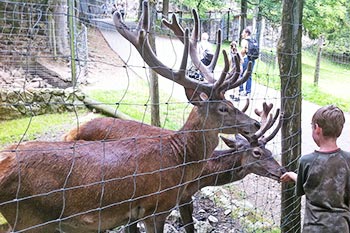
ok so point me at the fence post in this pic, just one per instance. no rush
(71, 28)
(228, 26)
(289, 60)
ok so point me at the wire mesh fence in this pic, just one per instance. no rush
(59, 57)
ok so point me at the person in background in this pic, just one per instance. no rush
(324, 176)
(205, 49)
(119, 6)
(246, 35)
(234, 52)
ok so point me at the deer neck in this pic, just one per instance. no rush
(201, 133)
(225, 166)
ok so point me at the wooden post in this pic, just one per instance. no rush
(154, 86)
(71, 27)
(318, 60)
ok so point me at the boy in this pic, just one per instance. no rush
(324, 176)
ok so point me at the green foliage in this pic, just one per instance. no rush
(202, 6)
(327, 17)
(271, 10)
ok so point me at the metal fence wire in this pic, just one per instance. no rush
(55, 56)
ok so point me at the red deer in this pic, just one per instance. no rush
(222, 167)
(89, 186)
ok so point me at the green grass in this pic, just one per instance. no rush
(29, 128)
(2, 220)
(136, 103)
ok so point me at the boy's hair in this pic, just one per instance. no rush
(331, 119)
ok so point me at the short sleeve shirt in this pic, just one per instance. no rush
(245, 44)
(324, 178)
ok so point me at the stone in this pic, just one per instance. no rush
(213, 219)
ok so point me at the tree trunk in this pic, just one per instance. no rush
(140, 10)
(259, 24)
(104, 109)
(154, 87)
(59, 9)
(318, 60)
(243, 23)
(289, 59)
(165, 10)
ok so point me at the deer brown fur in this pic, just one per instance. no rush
(109, 128)
(89, 186)
(222, 167)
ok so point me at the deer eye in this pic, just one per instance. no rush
(223, 109)
(256, 153)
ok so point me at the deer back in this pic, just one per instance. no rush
(108, 128)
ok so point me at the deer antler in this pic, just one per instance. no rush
(207, 71)
(265, 140)
(264, 112)
(267, 120)
(214, 89)
(244, 109)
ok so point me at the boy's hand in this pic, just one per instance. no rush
(289, 176)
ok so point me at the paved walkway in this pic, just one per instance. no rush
(170, 53)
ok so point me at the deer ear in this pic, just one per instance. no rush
(230, 143)
(195, 97)
(240, 139)
(203, 96)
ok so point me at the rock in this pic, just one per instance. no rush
(227, 212)
(203, 227)
(213, 219)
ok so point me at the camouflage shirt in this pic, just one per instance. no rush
(324, 178)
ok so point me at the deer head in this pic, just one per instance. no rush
(212, 111)
(261, 161)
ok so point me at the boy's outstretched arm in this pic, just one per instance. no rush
(289, 176)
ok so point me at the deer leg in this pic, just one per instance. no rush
(186, 210)
(27, 217)
(155, 224)
(132, 228)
